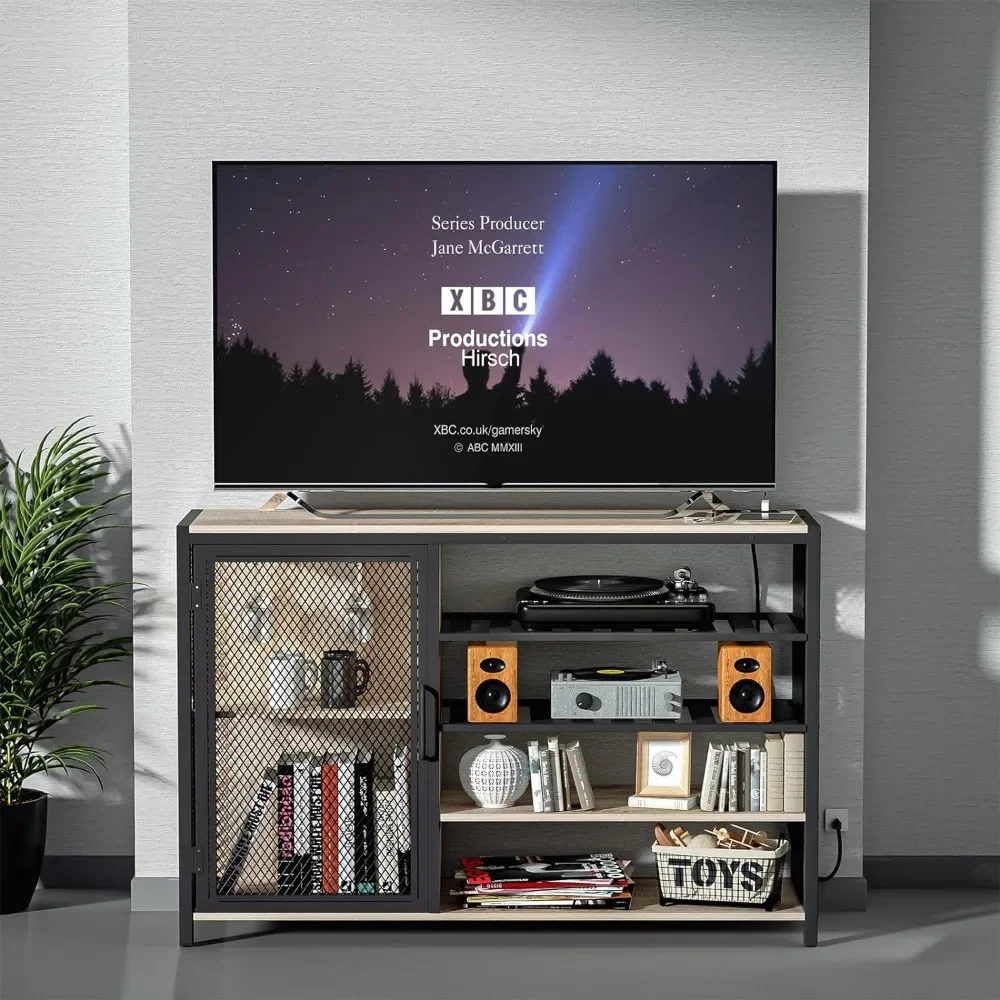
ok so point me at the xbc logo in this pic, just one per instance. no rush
(488, 301)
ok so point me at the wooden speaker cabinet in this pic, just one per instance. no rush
(745, 687)
(492, 682)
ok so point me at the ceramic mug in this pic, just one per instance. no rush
(343, 676)
(291, 679)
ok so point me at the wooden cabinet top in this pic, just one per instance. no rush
(372, 521)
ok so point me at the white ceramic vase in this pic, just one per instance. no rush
(494, 776)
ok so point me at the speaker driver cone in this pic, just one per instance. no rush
(746, 696)
(493, 696)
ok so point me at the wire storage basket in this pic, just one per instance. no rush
(720, 875)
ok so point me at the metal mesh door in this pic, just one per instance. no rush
(315, 680)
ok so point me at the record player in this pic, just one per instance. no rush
(617, 693)
(610, 602)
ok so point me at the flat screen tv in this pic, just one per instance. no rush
(459, 324)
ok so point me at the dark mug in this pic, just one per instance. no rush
(343, 676)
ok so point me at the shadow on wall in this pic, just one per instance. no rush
(932, 598)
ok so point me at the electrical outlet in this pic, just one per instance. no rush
(829, 815)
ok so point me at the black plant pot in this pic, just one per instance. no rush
(22, 847)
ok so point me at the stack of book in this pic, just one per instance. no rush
(589, 881)
(743, 777)
(556, 773)
(339, 831)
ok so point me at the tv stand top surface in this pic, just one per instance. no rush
(375, 521)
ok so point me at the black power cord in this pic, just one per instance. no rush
(836, 824)
(756, 584)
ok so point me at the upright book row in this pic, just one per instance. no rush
(556, 773)
(743, 777)
(339, 830)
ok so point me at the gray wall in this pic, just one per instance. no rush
(64, 311)
(440, 79)
(933, 646)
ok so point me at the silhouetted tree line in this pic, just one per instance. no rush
(312, 426)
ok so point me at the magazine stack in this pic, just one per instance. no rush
(588, 881)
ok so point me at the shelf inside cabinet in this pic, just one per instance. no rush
(535, 716)
(610, 807)
(313, 710)
(775, 626)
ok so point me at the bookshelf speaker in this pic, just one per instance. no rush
(492, 682)
(745, 688)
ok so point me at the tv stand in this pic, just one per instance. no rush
(257, 590)
(707, 497)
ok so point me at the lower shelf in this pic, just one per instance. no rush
(645, 906)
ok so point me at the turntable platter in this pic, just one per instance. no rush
(599, 588)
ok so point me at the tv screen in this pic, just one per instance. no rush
(451, 324)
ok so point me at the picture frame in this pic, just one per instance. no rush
(663, 764)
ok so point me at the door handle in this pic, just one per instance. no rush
(432, 717)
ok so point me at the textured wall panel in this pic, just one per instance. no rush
(64, 314)
(449, 79)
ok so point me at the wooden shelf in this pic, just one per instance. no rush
(728, 627)
(645, 907)
(610, 807)
(313, 710)
(535, 717)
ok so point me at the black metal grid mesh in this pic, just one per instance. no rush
(315, 686)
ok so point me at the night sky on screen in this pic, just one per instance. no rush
(654, 263)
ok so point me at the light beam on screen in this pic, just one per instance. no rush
(589, 189)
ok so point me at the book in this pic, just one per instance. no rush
(655, 802)
(763, 780)
(774, 746)
(286, 830)
(364, 822)
(345, 823)
(386, 840)
(743, 777)
(300, 827)
(732, 802)
(401, 788)
(244, 839)
(794, 772)
(581, 780)
(315, 828)
(559, 802)
(727, 762)
(535, 772)
(330, 839)
(711, 777)
(545, 769)
(754, 799)
(567, 781)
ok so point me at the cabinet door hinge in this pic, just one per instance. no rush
(194, 596)
(196, 860)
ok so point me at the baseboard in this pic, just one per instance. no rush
(935, 871)
(847, 893)
(154, 893)
(87, 871)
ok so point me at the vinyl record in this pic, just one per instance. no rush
(612, 674)
(600, 588)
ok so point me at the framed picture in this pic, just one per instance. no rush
(663, 764)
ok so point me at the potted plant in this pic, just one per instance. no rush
(54, 611)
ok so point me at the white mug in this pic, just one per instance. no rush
(291, 676)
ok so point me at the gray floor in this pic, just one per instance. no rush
(78, 946)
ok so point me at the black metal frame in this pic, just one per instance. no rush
(193, 619)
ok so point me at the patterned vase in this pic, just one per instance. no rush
(494, 776)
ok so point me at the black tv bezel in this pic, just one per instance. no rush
(768, 484)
